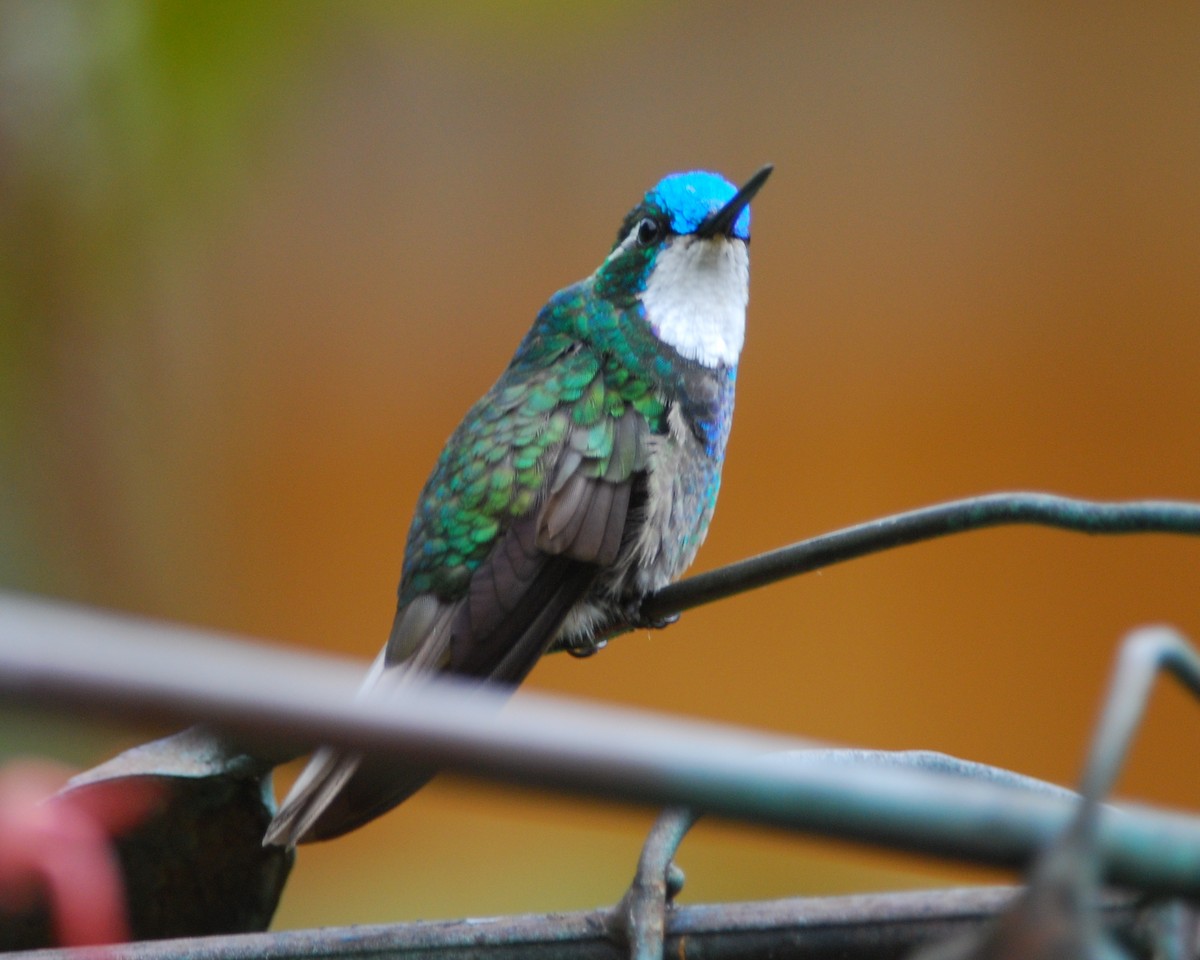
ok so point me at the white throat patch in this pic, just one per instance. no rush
(695, 298)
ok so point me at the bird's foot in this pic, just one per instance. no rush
(630, 617)
(636, 619)
(582, 649)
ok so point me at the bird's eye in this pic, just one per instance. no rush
(648, 232)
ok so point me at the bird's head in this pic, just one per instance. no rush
(681, 258)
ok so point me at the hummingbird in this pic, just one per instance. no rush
(583, 481)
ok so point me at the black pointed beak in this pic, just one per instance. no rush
(723, 220)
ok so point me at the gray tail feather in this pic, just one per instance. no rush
(339, 792)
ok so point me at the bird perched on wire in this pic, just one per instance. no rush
(584, 480)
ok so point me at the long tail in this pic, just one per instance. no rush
(339, 792)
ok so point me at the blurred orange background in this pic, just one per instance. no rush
(258, 260)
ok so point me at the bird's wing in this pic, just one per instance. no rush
(545, 562)
(507, 602)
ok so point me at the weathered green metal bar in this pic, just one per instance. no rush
(926, 523)
(864, 927)
(82, 660)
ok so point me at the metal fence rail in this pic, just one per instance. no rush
(87, 661)
(137, 669)
(870, 927)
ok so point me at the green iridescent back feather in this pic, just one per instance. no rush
(576, 372)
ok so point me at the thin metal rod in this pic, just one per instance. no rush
(1143, 654)
(89, 662)
(864, 927)
(639, 920)
(928, 523)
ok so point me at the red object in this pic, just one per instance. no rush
(58, 850)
